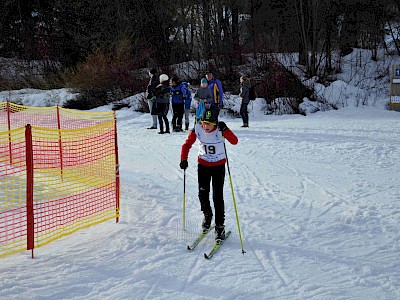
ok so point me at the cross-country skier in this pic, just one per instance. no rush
(211, 165)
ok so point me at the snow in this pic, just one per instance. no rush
(317, 199)
(318, 203)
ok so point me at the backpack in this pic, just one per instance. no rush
(252, 93)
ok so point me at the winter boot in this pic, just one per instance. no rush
(219, 232)
(186, 126)
(207, 221)
(167, 128)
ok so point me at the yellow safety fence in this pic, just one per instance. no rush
(56, 181)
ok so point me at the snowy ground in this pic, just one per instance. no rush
(318, 202)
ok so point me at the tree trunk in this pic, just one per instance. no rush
(206, 30)
(303, 46)
(235, 35)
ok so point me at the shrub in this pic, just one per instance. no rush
(275, 81)
(109, 73)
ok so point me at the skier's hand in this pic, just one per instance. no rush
(184, 164)
(222, 126)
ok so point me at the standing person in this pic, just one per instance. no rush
(188, 102)
(245, 100)
(178, 96)
(215, 87)
(161, 105)
(203, 97)
(211, 165)
(154, 81)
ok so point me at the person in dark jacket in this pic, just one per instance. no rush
(245, 100)
(161, 104)
(178, 97)
(204, 99)
(154, 81)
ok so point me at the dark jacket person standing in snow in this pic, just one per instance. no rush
(161, 105)
(245, 100)
(150, 94)
(203, 97)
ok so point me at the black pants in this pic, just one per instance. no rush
(244, 114)
(178, 111)
(217, 175)
(160, 120)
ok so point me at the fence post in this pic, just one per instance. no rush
(29, 189)
(9, 128)
(60, 141)
(117, 179)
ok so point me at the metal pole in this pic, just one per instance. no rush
(184, 200)
(234, 201)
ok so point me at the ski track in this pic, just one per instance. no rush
(312, 220)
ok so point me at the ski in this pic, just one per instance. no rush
(199, 238)
(217, 245)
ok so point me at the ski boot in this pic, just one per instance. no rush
(206, 224)
(219, 232)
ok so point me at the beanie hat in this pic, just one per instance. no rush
(210, 114)
(163, 77)
(203, 80)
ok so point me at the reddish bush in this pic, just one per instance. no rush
(109, 74)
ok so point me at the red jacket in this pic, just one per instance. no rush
(228, 134)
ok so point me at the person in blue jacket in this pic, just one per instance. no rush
(215, 87)
(188, 102)
(178, 97)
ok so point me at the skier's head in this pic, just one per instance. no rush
(209, 118)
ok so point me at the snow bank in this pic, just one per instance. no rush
(35, 97)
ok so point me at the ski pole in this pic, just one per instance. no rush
(234, 201)
(184, 200)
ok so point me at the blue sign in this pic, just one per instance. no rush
(397, 73)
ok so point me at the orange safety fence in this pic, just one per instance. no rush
(56, 181)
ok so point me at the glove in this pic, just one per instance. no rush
(183, 164)
(222, 126)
